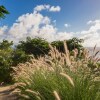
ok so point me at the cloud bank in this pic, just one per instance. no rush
(92, 35)
(37, 25)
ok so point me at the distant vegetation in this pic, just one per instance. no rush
(11, 55)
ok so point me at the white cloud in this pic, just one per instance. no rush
(66, 25)
(55, 9)
(93, 22)
(63, 36)
(41, 7)
(92, 35)
(32, 25)
(3, 30)
(89, 22)
(46, 20)
(36, 25)
(47, 7)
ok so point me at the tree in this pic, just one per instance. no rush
(36, 46)
(3, 11)
(75, 43)
(40, 47)
(71, 43)
(59, 45)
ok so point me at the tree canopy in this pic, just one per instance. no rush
(38, 46)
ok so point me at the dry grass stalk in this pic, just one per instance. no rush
(75, 51)
(19, 84)
(16, 91)
(32, 92)
(24, 96)
(85, 54)
(94, 48)
(68, 78)
(56, 95)
(96, 53)
(67, 54)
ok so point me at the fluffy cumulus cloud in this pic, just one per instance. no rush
(55, 9)
(3, 30)
(47, 7)
(37, 25)
(34, 25)
(92, 35)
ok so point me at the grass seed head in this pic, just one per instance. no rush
(56, 95)
(68, 78)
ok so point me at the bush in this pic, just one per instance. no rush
(57, 76)
(5, 61)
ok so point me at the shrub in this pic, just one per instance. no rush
(57, 76)
(5, 61)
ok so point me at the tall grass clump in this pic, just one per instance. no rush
(58, 76)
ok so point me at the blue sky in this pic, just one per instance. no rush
(71, 18)
(74, 12)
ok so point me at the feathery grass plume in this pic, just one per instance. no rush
(98, 59)
(20, 84)
(52, 51)
(49, 62)
(68, 78)
(57, 53)
(24, 96)
(16, 91)
(50, 46)
(67, 54)
(85, 54)
(56, 95)
(94, 48)
(51, 69)
(36, 94)
(32, 92)
(48, 73)
(75, 51)
(75, 55)
(96, 53)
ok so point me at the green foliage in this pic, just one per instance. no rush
(5, 60)
(59, 45)
(3, 11)
(10, 57)
(19, 56)
(43, 83)
(75, 43)
(72, 44)
(40, 47)
(36, 46)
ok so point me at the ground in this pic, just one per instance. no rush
(6, 93)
